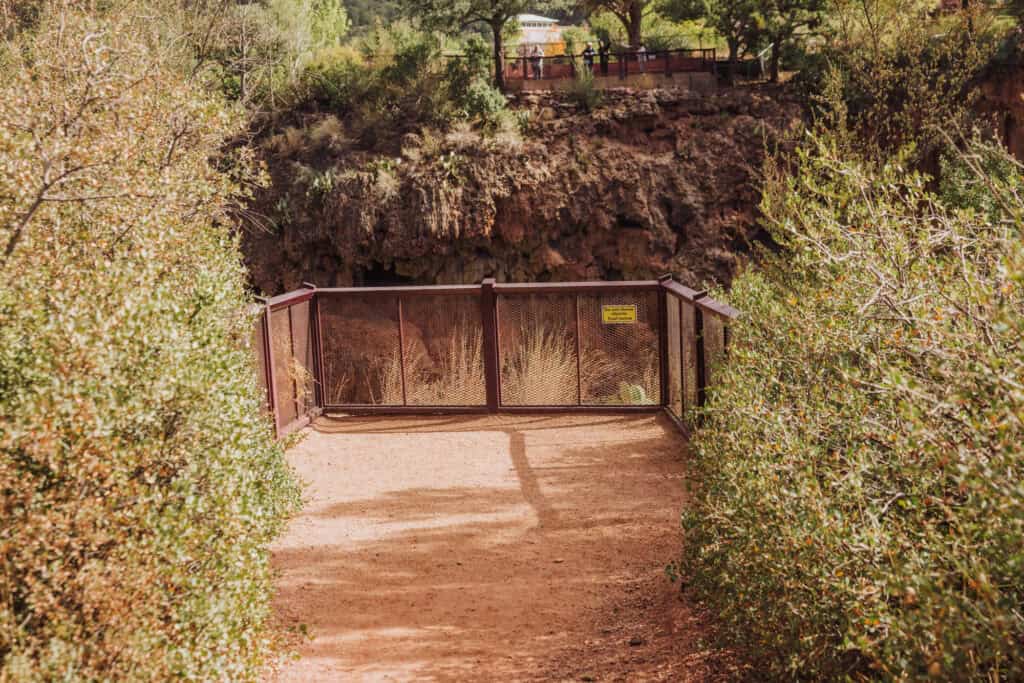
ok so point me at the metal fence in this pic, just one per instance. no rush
(615, 64)
(547, 347)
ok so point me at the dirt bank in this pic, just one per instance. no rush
(490, 549)
(648, 183)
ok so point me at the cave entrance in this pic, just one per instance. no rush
(380, 275)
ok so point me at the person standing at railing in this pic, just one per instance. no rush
(602, 54)
(537, 60)
(588, 57)
(641, 57)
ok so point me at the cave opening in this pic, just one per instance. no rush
(380, 275)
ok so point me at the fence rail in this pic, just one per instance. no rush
(636, 346)
(615, 64)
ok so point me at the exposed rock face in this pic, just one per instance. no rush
(649, 183)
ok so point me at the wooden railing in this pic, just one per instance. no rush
(619, 347)
(620, 64)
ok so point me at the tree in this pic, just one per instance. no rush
(734, 20)
(779, 22)
(630, 12)
(457, 15)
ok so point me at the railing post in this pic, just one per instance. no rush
(579, 355)
(269, 357)
(698, 332)
(663, 369)
(668, 63)
(489, 316)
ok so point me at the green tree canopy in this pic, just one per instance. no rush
(630, 12)
(453, 16)
(734, 20)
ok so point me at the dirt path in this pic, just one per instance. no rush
(494, 548)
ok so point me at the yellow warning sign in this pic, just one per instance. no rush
(619, 314)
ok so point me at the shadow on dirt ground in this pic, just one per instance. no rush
(489, 548)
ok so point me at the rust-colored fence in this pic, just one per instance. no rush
(614, 64)
(546, 347)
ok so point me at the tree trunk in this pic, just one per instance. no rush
(499, 47)
(776, 57)
(635, 26)
(734, 53)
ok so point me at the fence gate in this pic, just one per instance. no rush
(548, 347)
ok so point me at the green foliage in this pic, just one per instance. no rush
(734, 20)
(584, 93)
(139, 483)
(454, 16)
(659, 32)
(902, 84)
(365, 14)
(860, 510)
(395, 80)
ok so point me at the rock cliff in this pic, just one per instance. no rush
(647, 183)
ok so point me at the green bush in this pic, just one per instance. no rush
(860, 506)
(139, 483)
(584, 93)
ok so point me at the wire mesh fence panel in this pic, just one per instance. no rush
(688, 327)
(537, 350)
(443, 348)
(619, 352)
(714, 346)
(302, 367)
(362, 363)
(675, 355)
(281, 351)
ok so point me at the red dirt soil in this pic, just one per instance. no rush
(489, 548)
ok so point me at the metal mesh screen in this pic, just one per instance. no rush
(538, 350)
(675, 356)
(688, 326)
(302, 361)
(714, 346)
(443, 350)
(281, 353)
(619, 354)
(360, 349)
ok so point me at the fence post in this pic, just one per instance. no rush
(668, 63)
(489, 316)
(698, 332)
(663, 370)
(269, 357)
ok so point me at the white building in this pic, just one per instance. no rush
(538, 30)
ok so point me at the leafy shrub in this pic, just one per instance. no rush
(860, 511)
(139, 484)
(339, 77)
(899, 76)
(584, 93)
(396, 81)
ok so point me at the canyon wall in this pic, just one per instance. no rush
(649, 182)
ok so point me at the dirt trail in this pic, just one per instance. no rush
(489, 548)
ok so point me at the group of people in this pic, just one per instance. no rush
(536, 57)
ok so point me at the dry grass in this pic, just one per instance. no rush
(457, 379)
(540, 369)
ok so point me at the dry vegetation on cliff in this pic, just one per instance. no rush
(649, 182)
